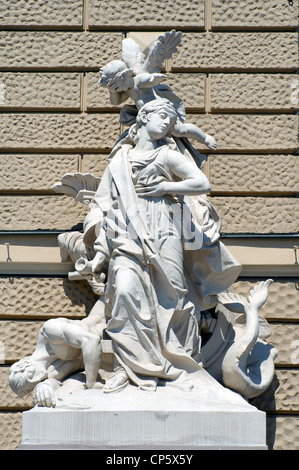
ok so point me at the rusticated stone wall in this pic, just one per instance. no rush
(236, 70)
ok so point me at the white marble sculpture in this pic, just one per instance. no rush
(63, 347)
(150, 249)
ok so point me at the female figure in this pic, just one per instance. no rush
(152, 306)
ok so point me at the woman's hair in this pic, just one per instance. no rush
(154, 106)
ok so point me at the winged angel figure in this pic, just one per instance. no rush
(140, 78)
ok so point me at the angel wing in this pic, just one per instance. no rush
(81, 186)
(162, 49)
(132, 55)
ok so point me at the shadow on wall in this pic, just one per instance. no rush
(80, 293)
(266, 402)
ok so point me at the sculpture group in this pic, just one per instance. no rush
(150, 250)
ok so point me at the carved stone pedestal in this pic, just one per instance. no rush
(170, 418)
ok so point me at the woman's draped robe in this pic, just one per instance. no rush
(166, 265)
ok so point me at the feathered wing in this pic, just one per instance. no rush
(132, 55)
(72, 183)
(162, 49)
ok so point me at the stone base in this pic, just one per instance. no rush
(169, 418)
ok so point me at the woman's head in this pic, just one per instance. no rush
(159, 116)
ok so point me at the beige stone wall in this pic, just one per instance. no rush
(236, 70)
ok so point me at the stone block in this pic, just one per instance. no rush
(190, 87)
(35, 50)
(98, 132)
(45, 13)
(237, 51)
(40, 212)
(19, 337)
(146, 420)
(94, 164)
(285, 339)
(146, 14)
(254, 92)
(252, 132)
(257, 214)
(282, 395)
(47, 132)
(35, 172)
(250, 14)
(47, 297)
(22, 91)
(11, 430)
(283, 432)
(239, 214)
(245, 174)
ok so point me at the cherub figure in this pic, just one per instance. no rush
(140, 79)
